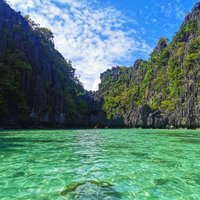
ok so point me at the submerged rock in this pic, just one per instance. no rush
(90, 189)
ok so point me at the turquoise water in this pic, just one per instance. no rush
(100, 164)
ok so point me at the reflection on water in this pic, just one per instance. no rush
(100, 164)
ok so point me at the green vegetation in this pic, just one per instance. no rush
(35, 78)
(37, 81)
(12, 65)
(161, 81)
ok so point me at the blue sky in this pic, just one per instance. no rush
(154, 18)
(99, 34)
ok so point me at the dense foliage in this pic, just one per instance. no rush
(164, 82)
(38, 86)
(37, 83)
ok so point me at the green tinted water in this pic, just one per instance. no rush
(100, 164)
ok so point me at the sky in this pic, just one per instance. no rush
(97, 35)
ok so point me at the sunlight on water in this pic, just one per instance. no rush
(100, 164)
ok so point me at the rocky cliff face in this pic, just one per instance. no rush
(38, 85)
(163, 91)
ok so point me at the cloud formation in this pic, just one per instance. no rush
(94, 37)
(173, 8)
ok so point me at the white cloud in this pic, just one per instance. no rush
(154, 20)
(173, 8)
(94, 38)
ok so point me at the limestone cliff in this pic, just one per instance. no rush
(163, 91)
(38, 86)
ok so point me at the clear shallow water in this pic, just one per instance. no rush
(100, 164)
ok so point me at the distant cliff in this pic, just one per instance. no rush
(163, 91)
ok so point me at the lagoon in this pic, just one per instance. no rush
(93, 164)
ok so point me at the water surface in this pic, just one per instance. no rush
(100, 164)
